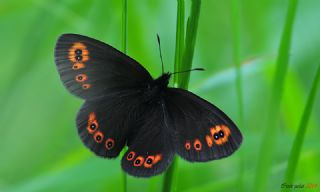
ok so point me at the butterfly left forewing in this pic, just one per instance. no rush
(204, 132)
(90, 68)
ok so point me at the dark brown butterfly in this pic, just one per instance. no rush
(124, 105)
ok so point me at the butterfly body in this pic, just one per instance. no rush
(125, 106)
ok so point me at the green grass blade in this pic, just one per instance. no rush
(299, 139)
(182, 81)
(124, 49)
(179, 39)
(270, 134)
(191, 34)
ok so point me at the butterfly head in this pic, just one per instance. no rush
(163, 80)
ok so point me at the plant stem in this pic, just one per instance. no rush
(179, 40)
(183, 61)
(191, 34)
(270, 135)
(299, 139)
(124, 49)
(124, 25)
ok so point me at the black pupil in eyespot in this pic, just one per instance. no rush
(137, 161)
(130, 155)
(197, 145)
(216, 136)
(109, 144)
(80, 77)
(149, 161)
(78, 58)
(221, 134)
(98, 137)
(78, 51)
(92, 126)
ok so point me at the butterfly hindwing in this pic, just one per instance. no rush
(204, 132)
(103, 124)
(89, 68)
(152, 149)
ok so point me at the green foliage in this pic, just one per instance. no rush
(300, 135)
(236, 42)
(271, 132)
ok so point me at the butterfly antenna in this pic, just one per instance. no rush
(160, 52)
(195, 69)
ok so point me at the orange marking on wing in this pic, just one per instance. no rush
(209, 140)
(138, 161)
(131, 156)
(86, 86)
(98, 136)
(109, 143)
(73, 54)
(227, 133)
(157, 158)
(187, 145)
(85, 58)
(197, 145)
(220, 129)
(78, 66)
(81, 78)
(149, 161)
(92, 123)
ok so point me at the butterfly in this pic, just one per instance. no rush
(125, 106)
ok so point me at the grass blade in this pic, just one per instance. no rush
(191, 33)
(270, 134)
(124, 49)
(169, 184)
(299, 139)
(179, 39)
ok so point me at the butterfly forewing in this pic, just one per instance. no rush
(204, 132)
(89, 68)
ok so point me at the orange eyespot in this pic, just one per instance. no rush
(197, 145)
(98, 137)
(86, 86)
(78, 52)
(131, 155)
(92, 123)
(77, 66)
(138, 161)
(209, 141)
(149, 162)
(92, 127)
(109, 143)
(220, 134)
(187, 145)
(81, 78)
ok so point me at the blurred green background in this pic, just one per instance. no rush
(39, 146)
